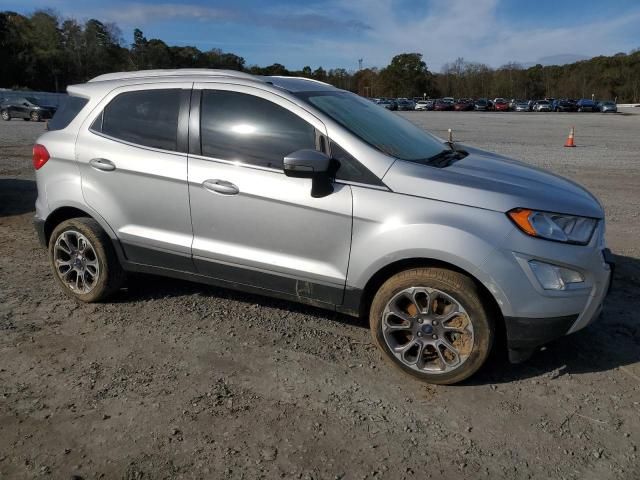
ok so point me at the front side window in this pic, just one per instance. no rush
(240, 127)
(144, 117)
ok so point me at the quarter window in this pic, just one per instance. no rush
(145, 117)
(240, 127)
(351, 169)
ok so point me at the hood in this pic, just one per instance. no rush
(491, 181)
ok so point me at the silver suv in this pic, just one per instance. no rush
(289, 187)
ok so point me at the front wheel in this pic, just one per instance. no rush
(35, 117)
(84, 261)
(432, 324)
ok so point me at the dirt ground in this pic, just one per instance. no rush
(178, 380)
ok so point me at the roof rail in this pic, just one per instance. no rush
(299, 78)
(180, 72)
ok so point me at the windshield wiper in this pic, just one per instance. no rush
(445, 157)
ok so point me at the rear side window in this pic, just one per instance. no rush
(67, 112)
(240, 127)
(145, 117)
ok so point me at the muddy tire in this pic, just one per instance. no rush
(432, 324)
(84, 261)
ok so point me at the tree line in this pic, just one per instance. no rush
(44, 52)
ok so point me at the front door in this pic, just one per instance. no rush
(252, 224)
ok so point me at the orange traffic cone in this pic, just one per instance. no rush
(569, 142)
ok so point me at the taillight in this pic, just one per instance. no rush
(40, 156)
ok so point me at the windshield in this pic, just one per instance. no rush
(385, 131)
(32, 100)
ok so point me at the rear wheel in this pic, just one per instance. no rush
(5, 115)
(432, 324)
(84, 261)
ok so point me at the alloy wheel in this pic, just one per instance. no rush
(76, 262)
(427, 330)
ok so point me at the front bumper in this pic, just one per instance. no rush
(524, 334)
(533, 315)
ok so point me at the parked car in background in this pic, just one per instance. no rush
(424, 105)
(607, 106)
(521, 106)
(563, 105)
(442, 105)
(500, 105)
(449, 100)
(405, 104)
(27, 108)
(481, 105)
(385, 103)
(463, 105)
(439, 248)
(542, 106)
(586, 105)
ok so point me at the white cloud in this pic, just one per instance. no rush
(298, 19)
(471, 29)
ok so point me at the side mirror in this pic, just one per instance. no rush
(311, 164)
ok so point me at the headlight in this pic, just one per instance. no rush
(554, 226)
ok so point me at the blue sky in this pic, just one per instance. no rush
(336, 33)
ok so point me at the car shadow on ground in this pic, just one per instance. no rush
(610, 343)
(17, 196)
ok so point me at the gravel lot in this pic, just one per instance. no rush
(177, 380)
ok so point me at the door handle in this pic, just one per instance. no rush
(220, 186)
(102, 164)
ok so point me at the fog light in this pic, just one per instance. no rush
(553, 277)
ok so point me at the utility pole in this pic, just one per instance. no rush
(360, 64)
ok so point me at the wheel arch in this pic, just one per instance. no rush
(67, 212)
(387, 271)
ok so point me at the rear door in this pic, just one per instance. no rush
(132, 152)
(252, 224)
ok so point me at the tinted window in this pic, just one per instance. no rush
(378, 127)
(351, 169)
(237, 126)
(146, 117)
(67, 112)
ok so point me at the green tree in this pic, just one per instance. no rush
(407, 75)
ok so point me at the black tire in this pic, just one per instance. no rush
(35, 117)
(466, 293)
(110, 275)
(6, 116)
(26, 119)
